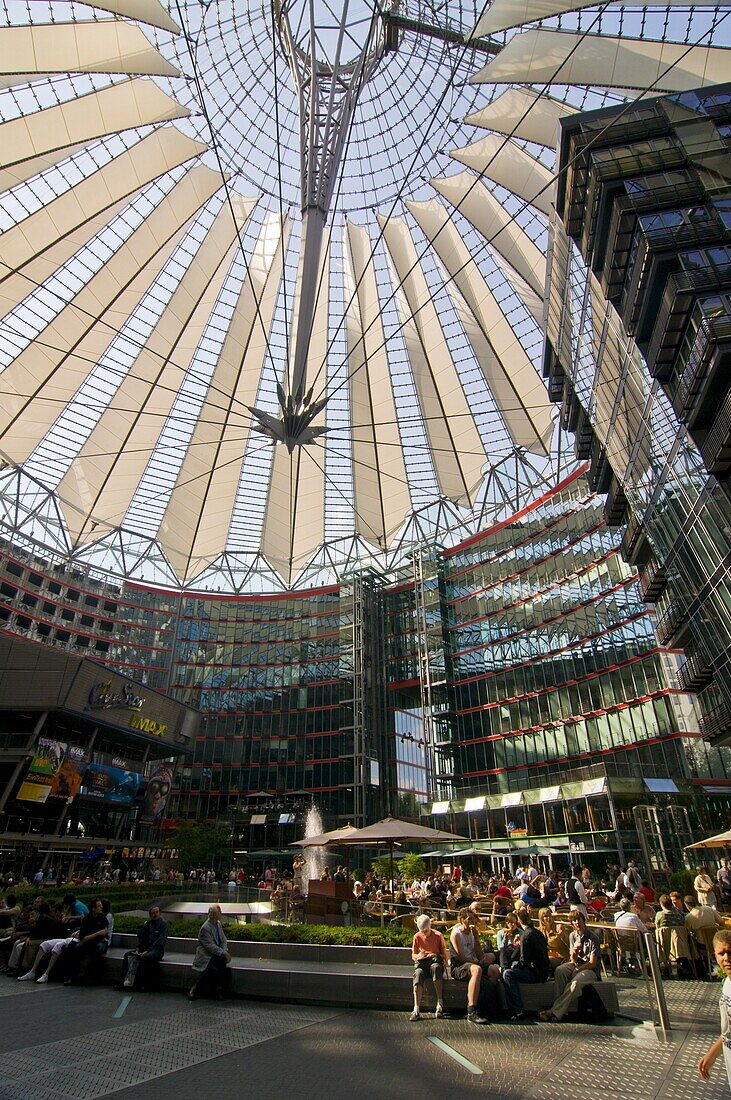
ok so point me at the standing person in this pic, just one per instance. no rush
(723, 878)
(722, 951)
(151, 939)
(531, 966)
(576, 893)
(429, 952)
(704, 887)
(583, 967)
(211, 957)
(633, 876)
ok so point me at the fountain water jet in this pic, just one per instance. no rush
(315, 858)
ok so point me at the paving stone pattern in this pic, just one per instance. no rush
(624, 1059)
(115, 1058)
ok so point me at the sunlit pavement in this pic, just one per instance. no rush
(86, 1043)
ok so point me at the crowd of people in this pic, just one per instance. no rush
(524, 928)
(36, 936)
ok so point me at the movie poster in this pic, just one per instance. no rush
(70, 775)
(106, 784)
(44, 766)
(158, 790)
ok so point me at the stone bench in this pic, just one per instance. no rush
(364, 977)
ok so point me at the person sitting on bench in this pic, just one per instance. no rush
(211, 958)
(585, 953)
(151, 939)
(429, 952)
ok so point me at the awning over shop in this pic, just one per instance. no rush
(661, 786)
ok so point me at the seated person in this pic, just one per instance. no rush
(643, 909)
(75, 908)
(557, 937)
(468, 961)
(500, 907)
(625, 919)
(151, 939)
(597, 901)
(49, 950)
(531, 966)
(672, 937)
(211, 958)
(528, 893)
(9, 912)
(549, 890)
(582, 968)
(13, 945)
(429, 952)
(628, 927)
(91, 942)
(702, 916)
(507, 941)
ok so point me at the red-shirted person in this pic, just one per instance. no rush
(429, 953)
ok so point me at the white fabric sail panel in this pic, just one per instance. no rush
(100, 484)
(523, 113)
(504, 14)
(509, 165)
(294, 514)
(108, 46)
(73, 124)
(294, 519)
(541, 56)
(490, 218)
(144, 11)
(533, 302)
(34, 248)
(60, 359)
(457, 451)
(196, 522)
(380, 480)
(26, 169)
(518, 391)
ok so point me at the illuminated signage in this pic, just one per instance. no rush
(147, 725)
(101, 697)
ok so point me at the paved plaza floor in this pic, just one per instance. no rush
(58, 1043)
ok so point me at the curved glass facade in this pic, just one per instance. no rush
(520, 659)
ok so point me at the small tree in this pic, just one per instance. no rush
(411, 866)
(199, 845)
(382, 867)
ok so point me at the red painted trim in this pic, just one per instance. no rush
(559, 487)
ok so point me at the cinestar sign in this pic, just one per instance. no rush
(101, 697)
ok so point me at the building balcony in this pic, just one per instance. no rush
(716, 447)
(615, 506)
(672, 624)
(703, 371)
(635, 548)
(681, 292)
(715, 725)
(653, 581)
(694, 674)
(584, 437)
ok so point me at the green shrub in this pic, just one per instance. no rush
(323, 934)
(682, 881)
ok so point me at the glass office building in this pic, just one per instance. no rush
(638, 353)
(516, 673)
